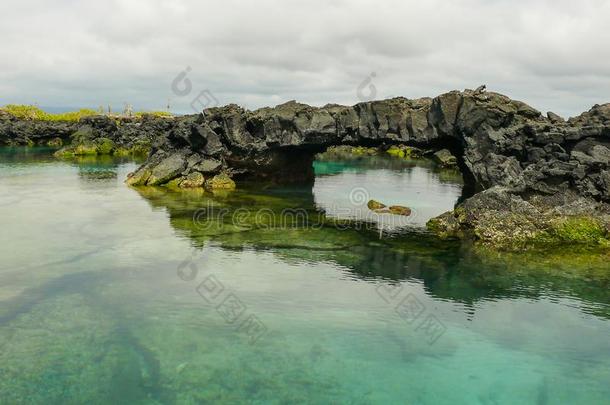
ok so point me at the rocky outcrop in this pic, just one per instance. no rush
(498, 143)
(547, 168)
(496, 140)
(14, 131)
(89, 136)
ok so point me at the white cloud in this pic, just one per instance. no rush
(551, 54)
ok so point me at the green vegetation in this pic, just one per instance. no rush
(404, 151)
(579, 230)
(516, 232)
(362, 150)
(31, 112)
(159, 114)
(101, 147)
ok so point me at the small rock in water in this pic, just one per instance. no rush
(445, 158)
(400, 210)
(375, 205)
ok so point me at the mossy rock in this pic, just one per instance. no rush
(374, 205)
(578, 229)
(55, 142)
(194, 179)
(400, 210)
(445, 158)
(362, 150)
(514, 231)
(403, 151)
(84, 149)
(141, 149)
(175, 183)
(220, 182)
(121, 152)
(104, 146)
(138, 178)
(394, 150)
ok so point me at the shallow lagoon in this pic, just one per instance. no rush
(157, 296)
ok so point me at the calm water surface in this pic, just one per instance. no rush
(116, 295)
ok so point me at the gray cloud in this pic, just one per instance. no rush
(551, 54)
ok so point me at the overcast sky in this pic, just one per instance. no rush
(552, 54)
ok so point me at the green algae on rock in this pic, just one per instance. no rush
(220, 182)
(498, 218)
(55, 142)
(375, 205)
(404, 151)
(193, 179)
(399, 210)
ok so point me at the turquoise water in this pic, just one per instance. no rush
(151, 296)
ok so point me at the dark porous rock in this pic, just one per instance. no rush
(129, 135)
(15, 131)
(503, 219)
(160, 169)
(208, 166)
(498, 143)
(167, 169)
(554, 118)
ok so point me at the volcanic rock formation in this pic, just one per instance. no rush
(544, 178)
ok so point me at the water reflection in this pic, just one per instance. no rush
(448, 269)
(342, 188)
(94, 311)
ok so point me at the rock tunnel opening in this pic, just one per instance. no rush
(331, 172)
(295, 165)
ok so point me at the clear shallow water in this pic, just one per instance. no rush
(109, 294)
(343, 188)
